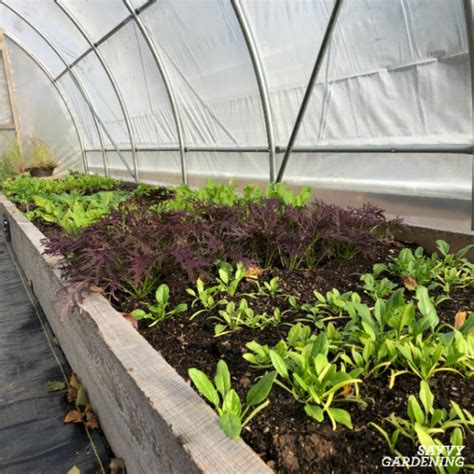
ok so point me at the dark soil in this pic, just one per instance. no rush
(282, 434)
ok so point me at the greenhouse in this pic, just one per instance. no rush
(238, 236)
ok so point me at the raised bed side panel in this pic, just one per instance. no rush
(151, 417)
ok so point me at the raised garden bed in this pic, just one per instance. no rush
(150, 416)
(283, 435)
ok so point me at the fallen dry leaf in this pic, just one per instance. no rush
(460, 319)
(91, 421)
(346, 390)
(409, 282)
(117, 466)
(131, 320)
(74, 416)
(71, 395)
(74, 470)
(253, 272)
(96, 289)
(74, 382)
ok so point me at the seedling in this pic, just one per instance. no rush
(204, 296)
(232, 415)
(270, 288)
(425, 424)
(159, 312)
(229, 279)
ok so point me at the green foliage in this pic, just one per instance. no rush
(315, 381)
(425, 424)
(204, 296)
(331, 306)
(306, 372)
(280, 191)
(74, 212)
(377, 288)
(233, 416)
(229, 279)
(140, 291)
(444, 270)
(233, 317)
(226, 194)
(270, 288)
(24, 188)
(159, 311)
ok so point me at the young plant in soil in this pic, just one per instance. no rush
(159, 311)
(425, 423)
(232, 415)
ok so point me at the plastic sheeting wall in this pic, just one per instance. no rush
(41, 112)
(396, 74)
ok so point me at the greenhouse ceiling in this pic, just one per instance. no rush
(360, 99)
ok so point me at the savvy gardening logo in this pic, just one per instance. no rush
(429, 456)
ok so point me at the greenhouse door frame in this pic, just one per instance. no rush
(14, 125)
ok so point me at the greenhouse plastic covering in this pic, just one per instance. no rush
(171, 90)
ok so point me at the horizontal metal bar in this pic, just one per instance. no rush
(104, 38)
(449, 148)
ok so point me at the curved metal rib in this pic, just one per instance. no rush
(261, 82)
(111, 78)
(61, 93)
(169, 90)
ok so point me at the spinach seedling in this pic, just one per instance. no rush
(204, 296)
(425, 422)
(270, 288)
(229, 280)
(159, 312)
(232, 415)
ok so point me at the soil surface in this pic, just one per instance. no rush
(282, 434)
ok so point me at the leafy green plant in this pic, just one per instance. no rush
(424, 360)
(140, 291)
(204, 296)
(233, 416)
(421, 269)
(445, 270)
(283, 193)
(425, 423)
(377, 288)
(23, 189)
(159, 311)
(330, 307)
(270, 288)
(229, 280)
(318, 383)
(299, 338)
(233, 317)
(73, 212)
(307, 374)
